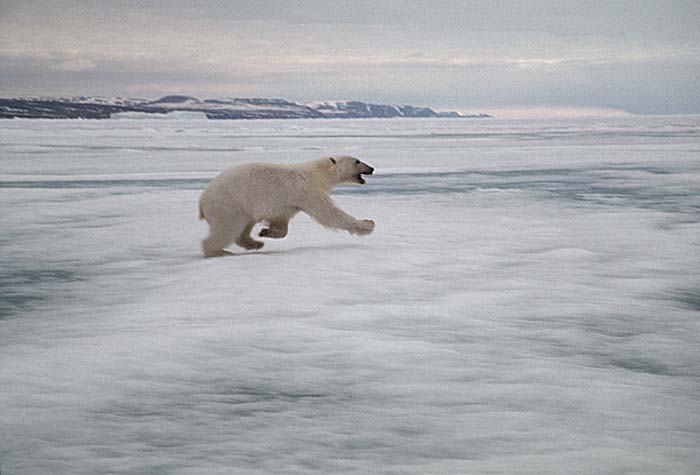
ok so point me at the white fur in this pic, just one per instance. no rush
(246, 194)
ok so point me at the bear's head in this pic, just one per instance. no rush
(349, 169)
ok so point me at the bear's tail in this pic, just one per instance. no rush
(201, 213)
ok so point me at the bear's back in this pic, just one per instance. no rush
(257, 189)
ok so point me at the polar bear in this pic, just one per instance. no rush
(250, 193)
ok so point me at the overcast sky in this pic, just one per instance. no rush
(637, 56)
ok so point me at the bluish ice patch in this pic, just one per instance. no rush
(689, 299)
(109, 184)
(604, 186)
(641, 365)
(22, 288)
(43, 149)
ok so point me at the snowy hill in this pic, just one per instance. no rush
(87, 107)
(356, 109)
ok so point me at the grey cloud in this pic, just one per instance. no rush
(640, 56)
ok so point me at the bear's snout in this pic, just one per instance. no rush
(371, 170)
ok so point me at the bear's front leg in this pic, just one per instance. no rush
(363, 227)
(327, 214)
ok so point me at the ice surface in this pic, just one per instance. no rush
(528, 303)
(174, 115)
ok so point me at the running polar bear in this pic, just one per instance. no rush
(246, 194)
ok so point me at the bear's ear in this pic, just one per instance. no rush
(332, 160)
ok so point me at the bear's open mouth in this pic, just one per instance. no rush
(361, 180)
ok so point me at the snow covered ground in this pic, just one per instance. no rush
(528, 303)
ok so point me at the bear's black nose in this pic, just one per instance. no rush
(371, 170)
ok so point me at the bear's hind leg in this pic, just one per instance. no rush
(245, 241)
(220, 236)
(277, 229)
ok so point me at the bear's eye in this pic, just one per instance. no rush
(357, 161)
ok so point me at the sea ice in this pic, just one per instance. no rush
(528, 302)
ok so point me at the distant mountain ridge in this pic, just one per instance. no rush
(87, 107)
